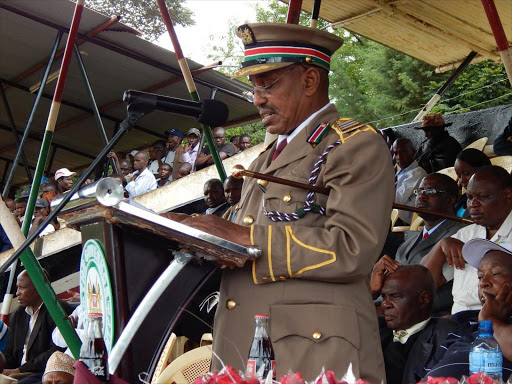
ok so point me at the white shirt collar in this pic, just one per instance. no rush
(301, 126)
(425, 230)
(403, 336)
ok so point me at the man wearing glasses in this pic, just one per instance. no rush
(490, 205)
(317, 249)
(437, 193)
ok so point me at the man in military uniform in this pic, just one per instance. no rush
(318, 250)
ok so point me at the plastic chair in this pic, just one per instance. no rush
(163, 361)
(489, 151)
(450, 171)
(188, 367)
(478, 144)
(503, 161)
(417, 223)
(394, 217)
(206, 339)
(403, 228)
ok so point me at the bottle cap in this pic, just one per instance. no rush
(485, 325)
(261, 316)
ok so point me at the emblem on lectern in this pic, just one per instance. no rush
(95, 289)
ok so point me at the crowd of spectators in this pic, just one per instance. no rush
(432, 291)
(166, 161)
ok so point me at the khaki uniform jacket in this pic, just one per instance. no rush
(313, 275)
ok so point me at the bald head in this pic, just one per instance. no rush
(408, 296)
(219, 135)
(404, 152)
(184, 170)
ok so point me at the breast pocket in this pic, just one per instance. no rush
(283, 198)
(314, 335)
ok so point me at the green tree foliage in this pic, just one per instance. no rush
(375, 84)
(481, 85)
(144, 15)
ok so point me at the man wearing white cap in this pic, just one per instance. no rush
(494, 265)
(63, 180)
(317, 249)
(59, 369)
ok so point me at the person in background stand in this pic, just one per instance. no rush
(466, 164)
(184, 170)
(191, 149)
(165, 171)
(233, 193)
(503, 143)
(63, 180)
(235, 140)
(245, 142)
(439, 150)
(143, 181)
(157, 156)
(174, 151)
(407, 178)
(214, 198)
(226, 150)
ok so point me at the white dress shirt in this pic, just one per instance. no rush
(33, 318)
(402, 336)
(465, 281)
(190, 155)
(301, 126)
(145, 182)
(407, 180)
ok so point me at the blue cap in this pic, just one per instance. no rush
(174, 132)
(41, 203)
(44, 179)
(25, 193)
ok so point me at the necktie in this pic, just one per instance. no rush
(279, 149)
(425, 235)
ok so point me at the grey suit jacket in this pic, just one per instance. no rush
(411, 252)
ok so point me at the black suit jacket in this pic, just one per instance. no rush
(438, 153)
(424, 347)
(40, 345)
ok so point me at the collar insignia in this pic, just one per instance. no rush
(318, 134)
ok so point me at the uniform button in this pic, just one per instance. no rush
(230, 304)
(282, 278)
(317, 335)
(248, 220)
(264, 278)
(287, 198)
(263, 183)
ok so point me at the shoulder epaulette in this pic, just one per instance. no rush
(346, 128)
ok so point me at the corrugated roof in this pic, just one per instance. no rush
(116, 60)
(439, 32)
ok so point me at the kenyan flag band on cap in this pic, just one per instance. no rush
(269, 46)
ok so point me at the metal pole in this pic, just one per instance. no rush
(6, 168)
(50, 163)
(499, 35)
(189, 81)
(434, 100)
(91, 95)
(31, 117)
(14, 130)
(294, 9)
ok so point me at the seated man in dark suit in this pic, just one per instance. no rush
(439, 149)
(214, 198)
(438, 193)
(494, 263)
(29, 343)
(409, 336)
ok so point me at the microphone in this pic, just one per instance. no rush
(207, 111)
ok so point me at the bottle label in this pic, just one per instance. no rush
(252, 368)
(486, 362)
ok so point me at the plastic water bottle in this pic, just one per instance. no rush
(485, 355)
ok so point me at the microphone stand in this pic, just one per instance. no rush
(136, 110)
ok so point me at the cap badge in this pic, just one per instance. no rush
(245, 33)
